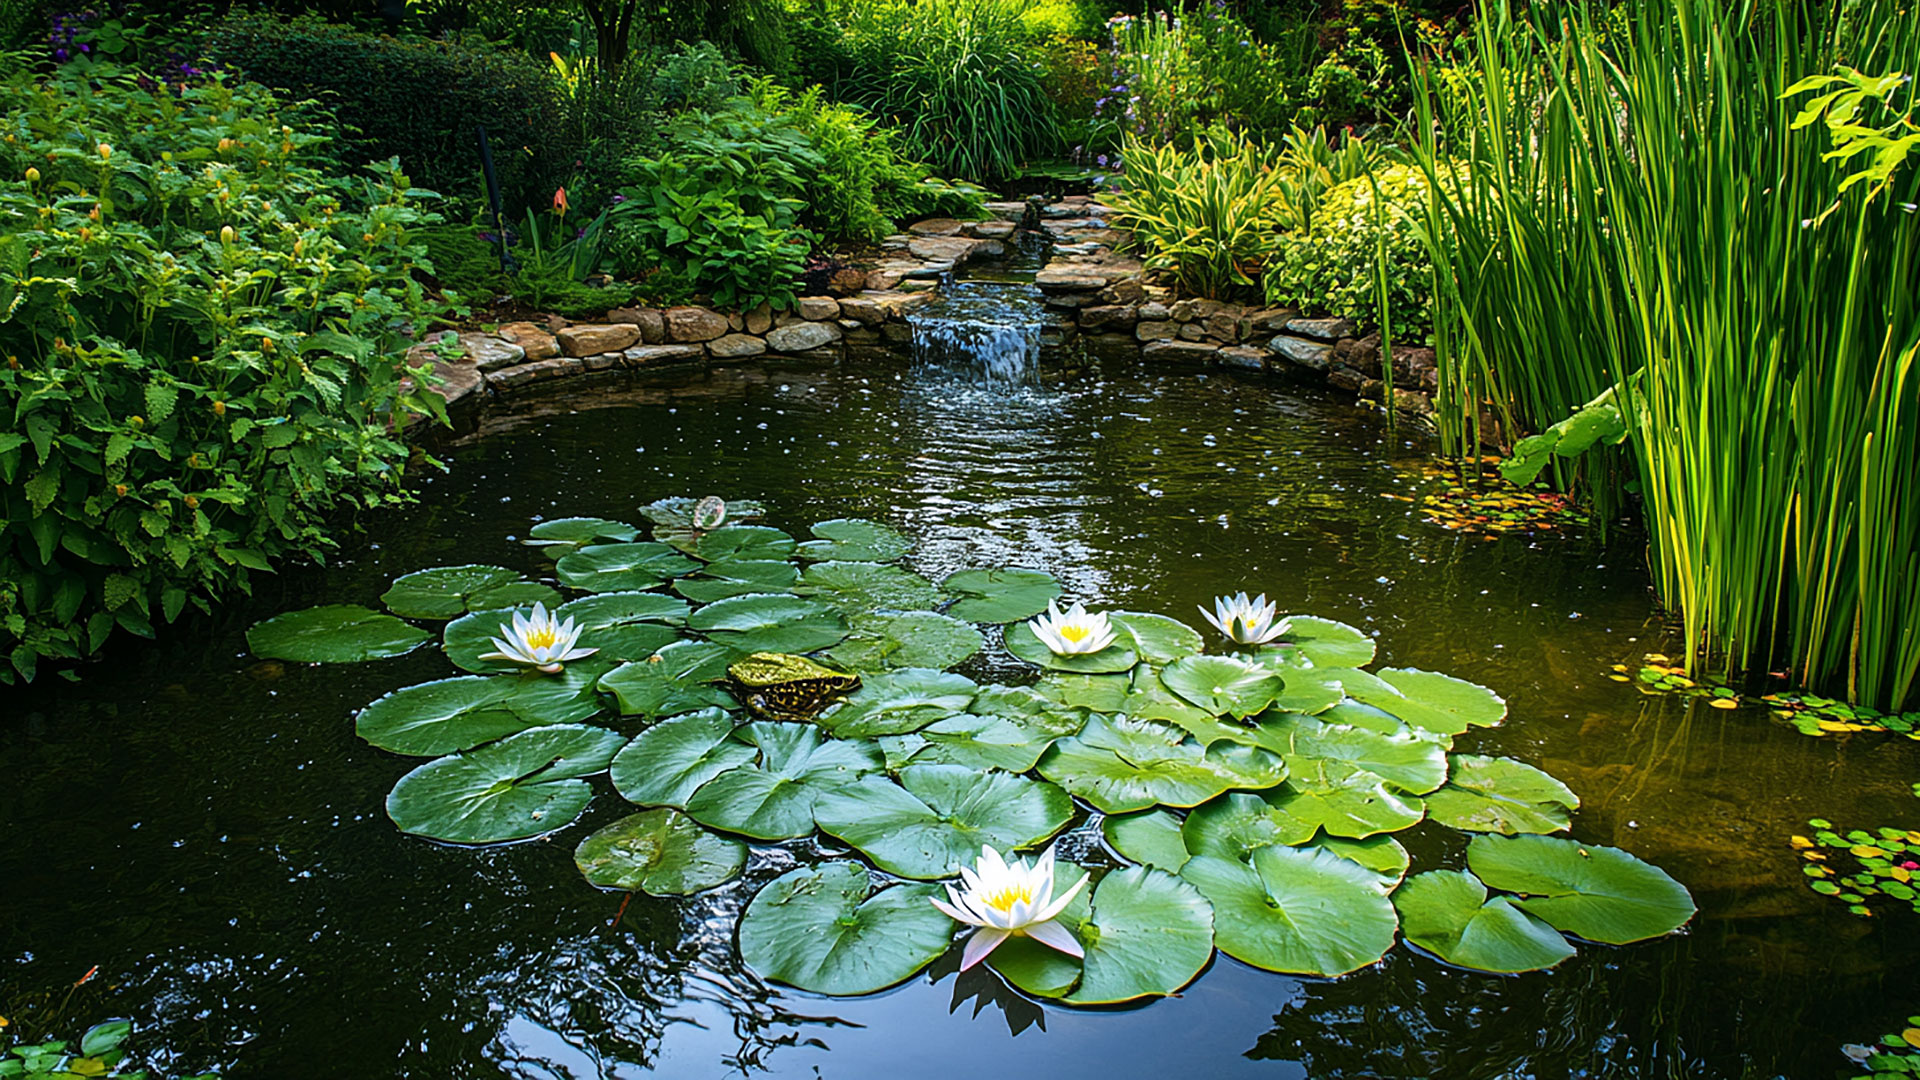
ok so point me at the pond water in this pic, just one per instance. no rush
(207, 830)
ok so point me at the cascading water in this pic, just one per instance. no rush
(987, 325)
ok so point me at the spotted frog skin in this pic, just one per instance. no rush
(780, 686)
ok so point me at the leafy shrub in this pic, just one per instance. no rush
(202, 332)
(1207, 212)
(719, 211)
(1331, 268)
(959, 78)
(1175, 75)
(604, 116)
(410, 98)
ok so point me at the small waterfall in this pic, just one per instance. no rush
(988, 325)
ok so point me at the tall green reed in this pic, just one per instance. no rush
(1629, 209)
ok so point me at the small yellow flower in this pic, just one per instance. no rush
(106, 152)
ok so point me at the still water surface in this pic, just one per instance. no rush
(207, 829)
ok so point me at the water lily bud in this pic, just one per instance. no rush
(106, 152)
(227, 234)
(33, 175)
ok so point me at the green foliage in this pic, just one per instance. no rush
(410, 98)
(718, 211)
(203, 332)
(1177, 74)
(1207, 213)
(958, 77)
(1634, 203)
(101, 1052)
(1884, 862)
(1359, 226)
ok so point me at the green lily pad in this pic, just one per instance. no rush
(1100, 693)
(659, 852)
(622, 567)
(665, 764)
(1118, 656)
(1344, 800)
(1382, 854)
(1149, 699)
(1312, 690)
(1598, 893)
(625, 625)
(734, 543)
(818, 928)
(1157, 638)
(449, 715)
(1354, 714)
(773, 799)
(896, 702)
(1010, 744)
(1448, 913)
(567, 535)
(1120, 764)
(677, 512)
(722, 580)
(912, 639)
(1502, 795)
(999, 596)
(857, 587)
(1146, 933)
(770, 623)
(1302, 911)
(333, 634)
(1410, 761)
(1433, 701)
(679, 678)
(1148, 837)
(855, 540)
(449, 591)
(1325, 643)
(936, 819)
(1030, 708)
(1237, 824)
(526, 785)
(1222, 685)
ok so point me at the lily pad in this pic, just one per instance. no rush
(935, 820)
(566, 535)
(896, 702)
(1598, 893)
(770, 623)
(1011, 744)
(333, 634)
(625, 625)
(1146, 933)
(1344, 800)
(1222, 685)
(916, 639)
(1311, 690)
(1303, 911)
(1326, 643)
(774, 798)
(1382, 854)
(1501, 795)
(1157, 638)
(818, 928)
(1149, 699)
(665, 764)
(1448, 913)
(449, 591)
(679, 678)
(1100, 693)
(999, 596)
(721, 580)
(622, 567)
(1118, 656)
(449, 715)
(855, 540)
(1410, 761)
(659, 852)
(1237, 824)
(1120, 764)
(1433, 701)
(737, 543)
(527, 784)
(1148, 837)
(858, 587)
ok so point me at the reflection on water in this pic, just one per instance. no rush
(206, 828)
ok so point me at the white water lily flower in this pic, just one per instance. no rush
(1075, 633)
(542, 642)
(1249, 622)
(1004, 899)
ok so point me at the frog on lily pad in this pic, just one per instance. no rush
(781, 686)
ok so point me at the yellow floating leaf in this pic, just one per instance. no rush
(1912, 1036)
(1833, 725)
(1659, 658)
(1620, 678)
(1800, 841)
(1913, 836)
(1724, 703)
(1619, 667)
(1814, 855)
(1900, 874)
(1867, 851)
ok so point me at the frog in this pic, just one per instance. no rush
(781, 686)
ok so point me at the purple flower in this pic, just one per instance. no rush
(1101, 161)
(618, 199)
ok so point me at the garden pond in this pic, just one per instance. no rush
(206, 828)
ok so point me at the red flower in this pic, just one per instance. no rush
(560, 202)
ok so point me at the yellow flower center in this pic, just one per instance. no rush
(541, 637)
(1008, 896)
(1075, 632)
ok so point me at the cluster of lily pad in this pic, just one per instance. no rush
(1810, 714)
(1894, 1057)
(1887, 860)
(1253, 793)
(1473, 497)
